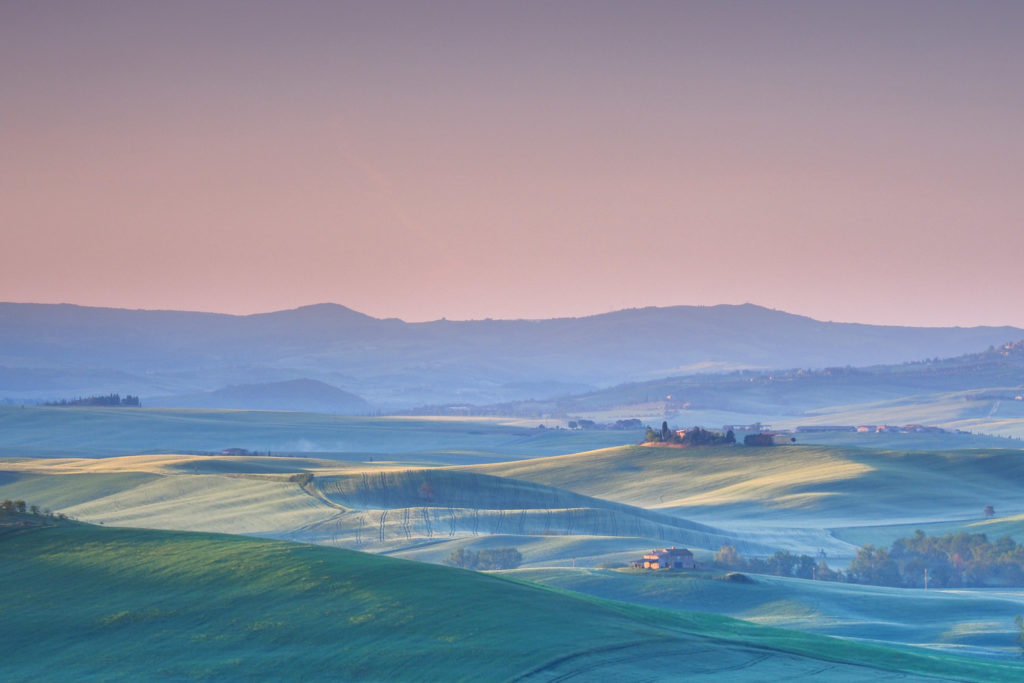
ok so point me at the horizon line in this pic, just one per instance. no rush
(492, 319)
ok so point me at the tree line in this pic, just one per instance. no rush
(108, 400)
(689, 437)
(956, 560)
(11, 507)
(495, 558)
(782, 563)
(959, 560)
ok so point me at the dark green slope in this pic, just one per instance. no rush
(80, 602)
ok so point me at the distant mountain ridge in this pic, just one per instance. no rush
(54, 350)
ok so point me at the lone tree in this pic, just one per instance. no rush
(990, 511)
(728, 557)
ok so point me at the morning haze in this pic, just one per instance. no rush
(845, 161)
(459, 341)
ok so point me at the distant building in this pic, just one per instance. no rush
(826, 428)
(755, 427)
(925, 429)
(234, 451)
(742, 431)
(769, 439)
(667, 558)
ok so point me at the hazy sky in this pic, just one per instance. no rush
(850, 161)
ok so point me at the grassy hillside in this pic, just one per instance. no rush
(350, 505)
(403, 508)
(824, 485)
(934, 391)
(35, 431)
(83, 602)
(897, 441)
(994, 412)
(978, 621)
(800, 498)
(994, 528)
(67, 492)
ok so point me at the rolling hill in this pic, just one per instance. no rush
(599, 506)
(89, 431)
(969, 621)
(593, 509)
(789, 487)
(968, 390)
(380, 508)
(303, 395)
(229, 608)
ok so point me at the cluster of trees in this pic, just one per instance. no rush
(108, 400)
(959, 560)
(10, 507)
(494, 558)
(951, 561)
(782, 563)
(689, 437)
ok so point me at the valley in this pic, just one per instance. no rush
(578, 519)
(295, 481)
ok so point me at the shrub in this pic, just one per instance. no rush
(494, 558)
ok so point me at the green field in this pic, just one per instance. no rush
(92, 432)
(968, 621)
(799, 498)
(81, 602)
(910, 441)
(791, 486)
(584, 510)
(993, 528)
(378, 508)
(987, 419)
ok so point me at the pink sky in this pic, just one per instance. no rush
(848, 161)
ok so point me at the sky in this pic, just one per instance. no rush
(855, 161)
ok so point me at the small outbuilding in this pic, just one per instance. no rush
(669, 558)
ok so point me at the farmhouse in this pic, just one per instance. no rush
(667, 558)
(768, 439)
